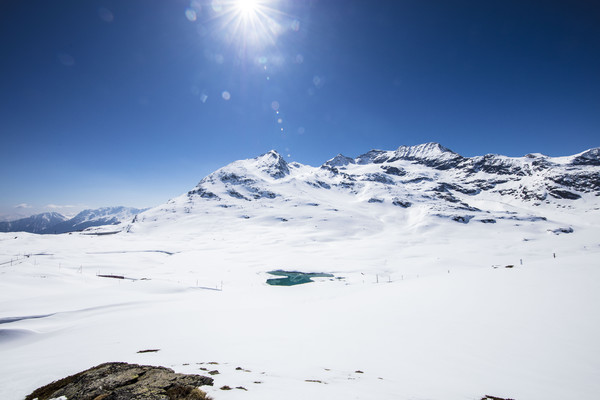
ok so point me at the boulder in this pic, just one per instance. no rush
(123, 381)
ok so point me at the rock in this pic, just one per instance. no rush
(237, 195)
(123, 381)
(322, 184)
(581, 181)
(202, 192)
(494, 164)
(463, 219)
(401, 203)
(563, 194)
(378, 177)
(373, 156)
(393, 170)
(446, 187)
(234, 179)
(558, 231)
(590, 157)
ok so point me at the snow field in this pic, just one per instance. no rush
(442, 323)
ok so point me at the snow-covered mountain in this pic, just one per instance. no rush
(408, 185)
(53, 222)
(37, 223)
(438, 276)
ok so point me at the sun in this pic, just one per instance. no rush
(247, 7)
(251, 23)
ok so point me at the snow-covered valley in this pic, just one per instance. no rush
(454, 278)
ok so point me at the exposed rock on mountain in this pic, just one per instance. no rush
(339, 161)
(590, 157)
(273, 164)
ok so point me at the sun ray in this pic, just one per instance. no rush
(251, 23)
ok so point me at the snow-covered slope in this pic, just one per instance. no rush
(454, 278)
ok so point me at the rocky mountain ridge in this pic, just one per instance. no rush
(35, 223)
(425, 180)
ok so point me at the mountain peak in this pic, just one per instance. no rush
(588, 157)
(424, 150)
(273, 163)
(431, 154)
(339, 161)
(535, 155)
(272, 153)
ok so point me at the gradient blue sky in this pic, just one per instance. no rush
(122, 102)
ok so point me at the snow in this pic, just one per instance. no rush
(424, 307)
(425, 151)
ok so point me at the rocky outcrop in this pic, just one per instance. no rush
(339, 161)
(273, 164)
(590, 157)
(123, 381)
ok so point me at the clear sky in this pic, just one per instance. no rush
(132, 102)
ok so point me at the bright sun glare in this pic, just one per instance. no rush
(247, 6)
(252, 22)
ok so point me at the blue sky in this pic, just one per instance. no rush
(112, 102)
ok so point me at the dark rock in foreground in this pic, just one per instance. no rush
(123, 381)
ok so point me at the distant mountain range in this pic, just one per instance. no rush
(53, 222)
(411, 185)
(408, 185)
